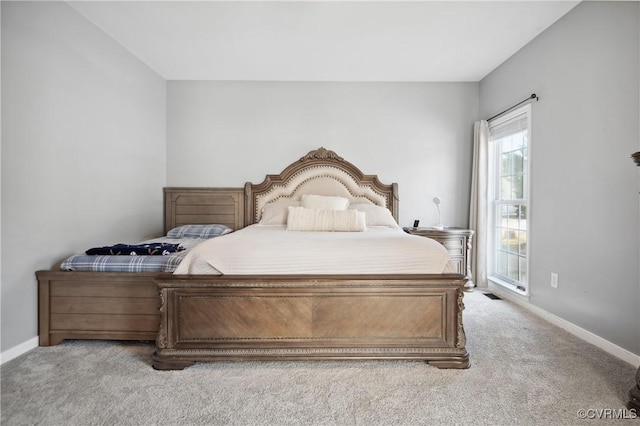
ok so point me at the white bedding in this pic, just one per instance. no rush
(272, 250)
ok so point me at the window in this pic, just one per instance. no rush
(509, 146)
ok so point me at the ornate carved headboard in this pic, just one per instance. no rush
(321, 172)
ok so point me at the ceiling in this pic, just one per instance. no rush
(323, 40)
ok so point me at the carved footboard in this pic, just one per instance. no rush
(209, 318)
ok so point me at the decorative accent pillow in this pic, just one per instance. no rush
(376, 215)
(303, 219)
(276, 212)
(324, 202)
(199, 231)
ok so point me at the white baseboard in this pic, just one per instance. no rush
(580, 332)
(18, 350)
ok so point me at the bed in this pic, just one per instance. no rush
(338, 311)
(112, 304)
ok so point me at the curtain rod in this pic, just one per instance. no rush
(533, 96)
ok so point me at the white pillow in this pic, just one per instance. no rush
(376, 215)
(276, 212)
(324, 202)
(302, 219)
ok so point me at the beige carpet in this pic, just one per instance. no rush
(524, 372)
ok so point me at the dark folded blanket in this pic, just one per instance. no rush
(154, 249)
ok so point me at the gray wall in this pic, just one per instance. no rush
(416, 134)
(83, 141)
(584, 199)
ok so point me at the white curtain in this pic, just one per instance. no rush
(478, 209)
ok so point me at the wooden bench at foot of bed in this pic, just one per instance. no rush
(97, 305)
(210, 318)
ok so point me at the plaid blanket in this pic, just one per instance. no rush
(140, 263)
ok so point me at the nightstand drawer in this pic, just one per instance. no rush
(455, 246)
(458, 265)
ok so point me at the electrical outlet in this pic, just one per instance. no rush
(554, 280)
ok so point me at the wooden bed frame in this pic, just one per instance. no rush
(207, 318)
(311, 317)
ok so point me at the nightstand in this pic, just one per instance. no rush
(457, 241)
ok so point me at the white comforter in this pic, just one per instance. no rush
(272, 250)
